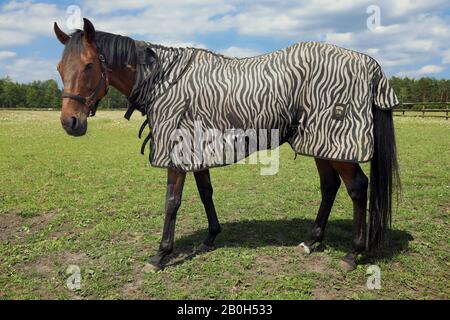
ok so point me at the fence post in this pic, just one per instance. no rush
(423, 110)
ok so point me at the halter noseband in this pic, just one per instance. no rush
(90, 101)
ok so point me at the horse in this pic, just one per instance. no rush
(356, 130)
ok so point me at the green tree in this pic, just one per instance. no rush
(114, 99)
(52, 94)
(46, 94)
(13, 94)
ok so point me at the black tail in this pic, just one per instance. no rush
(384, 178)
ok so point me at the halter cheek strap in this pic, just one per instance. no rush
(91, 100)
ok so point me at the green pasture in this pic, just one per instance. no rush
(96, 203)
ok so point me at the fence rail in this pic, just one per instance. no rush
(422, 103)
(435, 113)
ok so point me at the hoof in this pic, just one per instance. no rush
(347, 265)
(303, 248)
(151, 268)
(205, 248)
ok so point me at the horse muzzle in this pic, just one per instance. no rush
(74, 125)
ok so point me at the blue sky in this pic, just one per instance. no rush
(410, 38)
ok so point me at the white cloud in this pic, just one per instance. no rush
(14, 5)
(409, 7)
(182, 44)
(430, 69)
(10, 38)
(170, 19)
(339, 38)
(412, 32)
(373, 51)
(31, 17)
(264, 22)
(416, 41)
(446, 56)
(240, 52)
(7, 54)
(424, 71)
(29, 69)
(23, 21)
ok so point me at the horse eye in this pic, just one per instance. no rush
(88, 66)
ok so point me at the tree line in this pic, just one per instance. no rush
(46, 94)
(422, 90)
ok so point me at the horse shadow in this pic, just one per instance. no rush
(286, 233)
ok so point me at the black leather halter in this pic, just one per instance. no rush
(91, 100)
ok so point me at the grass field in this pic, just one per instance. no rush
(95, 202)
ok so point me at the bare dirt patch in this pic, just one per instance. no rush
(51, 272)
(327, 292)
(321, 293)
(283, 261)
(50, 265)
(132, 290)
(317, 263)
(14, 227)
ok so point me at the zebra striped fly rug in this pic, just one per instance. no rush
(318, 97)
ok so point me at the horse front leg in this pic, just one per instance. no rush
(175, 183)
(203, 180)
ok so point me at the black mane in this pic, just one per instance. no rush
(118, 50)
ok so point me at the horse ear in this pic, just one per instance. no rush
(62, 37)
(88, 30)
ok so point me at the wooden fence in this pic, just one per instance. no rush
(423, 112)
(399, 111)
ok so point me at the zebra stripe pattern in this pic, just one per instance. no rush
(318, 96)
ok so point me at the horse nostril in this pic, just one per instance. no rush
(75, 126)
(74, 122)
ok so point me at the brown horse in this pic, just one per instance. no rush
(87, 74)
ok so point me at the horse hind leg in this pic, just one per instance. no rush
(356, 183)
(329, 185)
